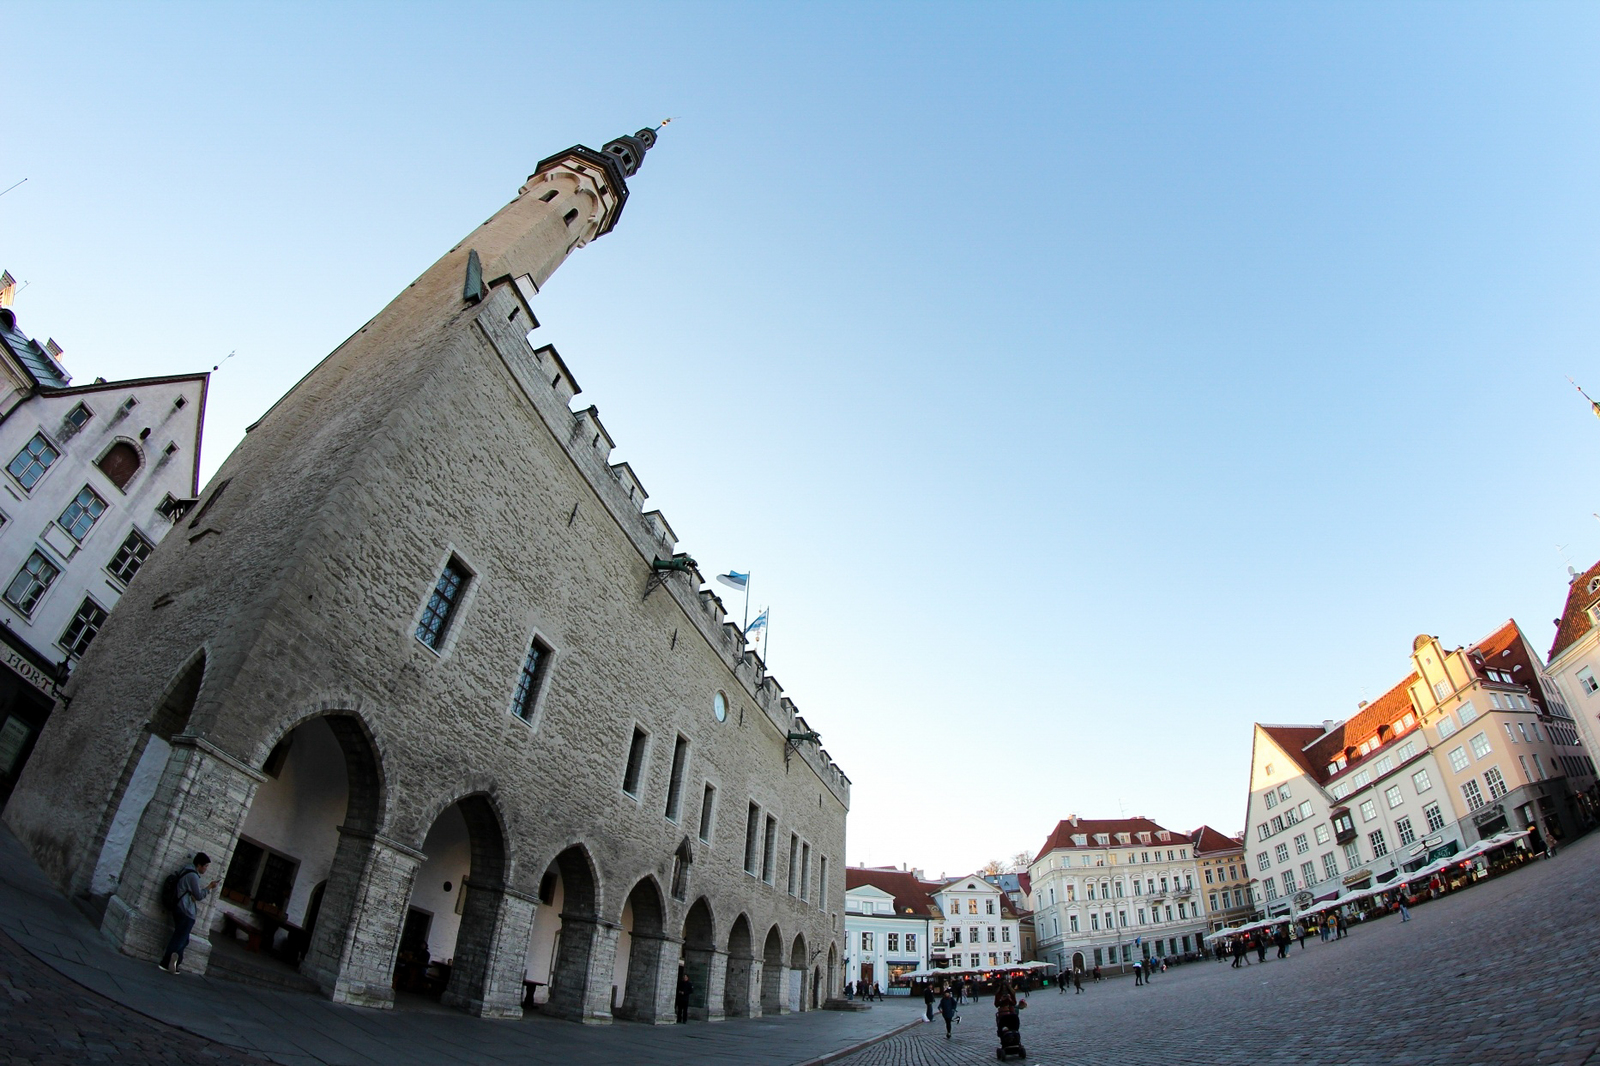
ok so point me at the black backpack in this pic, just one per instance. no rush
(169, 890)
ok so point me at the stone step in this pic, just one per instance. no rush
(845, 1004)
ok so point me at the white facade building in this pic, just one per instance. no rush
(887, 913)
(979, 928)
(1107, 891)
(95, 476)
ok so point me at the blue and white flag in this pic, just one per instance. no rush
(735, 580)
(759, 625)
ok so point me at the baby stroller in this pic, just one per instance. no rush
(1008, 1024)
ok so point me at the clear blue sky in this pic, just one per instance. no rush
(1082, 383)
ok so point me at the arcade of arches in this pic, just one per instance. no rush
(312, 881)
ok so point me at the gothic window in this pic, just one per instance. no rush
(120, 463)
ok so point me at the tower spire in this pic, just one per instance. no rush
(1595, 407)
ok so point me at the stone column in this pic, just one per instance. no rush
(491, 953)
(580, 987)
(742, 974)
(652, 979)
(199, 804)
(708, 970)
(363, 909)
(758, 977)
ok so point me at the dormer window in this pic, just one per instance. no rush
(1594, 584)
(1102, 839)
(1080, 840)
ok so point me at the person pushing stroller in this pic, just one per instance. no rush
(1008, 1021)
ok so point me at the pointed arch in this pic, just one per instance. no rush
(736, 987)
(772, 973)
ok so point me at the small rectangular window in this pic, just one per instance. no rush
(29, 465)
(635, 770)
(529, 680)
(31, 583)
(822, 882)
(83, 628)
(794, 864)
(805, 885)
(708, 801)
(79, 416)
(442, 601)
(680, 759)
(134, 551)
(752, 840)
(82, 513)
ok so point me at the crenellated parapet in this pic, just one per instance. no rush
(503, 318)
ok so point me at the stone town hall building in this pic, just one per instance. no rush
(423, 678)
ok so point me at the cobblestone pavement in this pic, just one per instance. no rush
(46, 1019)
(69, 997)
(1501, 973)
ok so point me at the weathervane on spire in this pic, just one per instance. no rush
(1595, 407)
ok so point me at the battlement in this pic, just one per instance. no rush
(551, 389)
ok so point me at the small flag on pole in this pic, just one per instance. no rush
(735, 580)
(759, 625)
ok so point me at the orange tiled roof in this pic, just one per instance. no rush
(908, 892)
(1064, 831)
(1206, 840)
(1574, 621)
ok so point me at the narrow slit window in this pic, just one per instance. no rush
(680, 759)
(635, 771)
(570, 217)
(769, 844)
(547, 197)
(708, 800)
(752, 839)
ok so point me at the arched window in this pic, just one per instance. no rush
(120, 463)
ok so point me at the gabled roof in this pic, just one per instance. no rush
(1206, 840)
(1061, 836)
(1385, 710)
(1575, 621)
(910, 895)
(37, 363)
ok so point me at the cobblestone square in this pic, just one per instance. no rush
(1498, 973)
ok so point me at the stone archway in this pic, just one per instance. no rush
(816, 988)
(773, 975)
(832, 988)
(140, 775)
(646, 958)
(739, 999)
(1077, 960)
(797, 974)
(462, 909)
(705, 968)
(582, 948)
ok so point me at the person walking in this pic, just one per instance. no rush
(1282, 939)
(1097, 973)
(681, 1001)
(1138, 971)
(1077, 982)
(1261, 945)
(927, 1000)
(1300, 935)
(186, 892)
(947, 1007)
(1238, 951)
(1400, 901)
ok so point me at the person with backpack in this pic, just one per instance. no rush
(180, 892)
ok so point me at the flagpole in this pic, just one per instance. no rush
(747, 578)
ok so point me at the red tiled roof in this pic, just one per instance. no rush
(1064, 831)
(1574, 621)
(1025, 880)
(908, 892)
(1293, 740)
(1385, 710)
(1206, 840)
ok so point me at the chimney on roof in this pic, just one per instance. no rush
(1327, 724)
(8, 288)
(53, 348)
(1360, 705)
